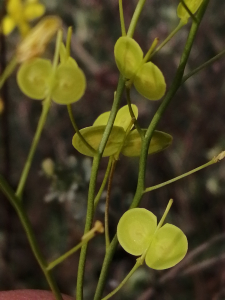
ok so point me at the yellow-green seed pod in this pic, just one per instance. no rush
(123, 117)
(135, 230)
(33, 78)
(193, 6)
(132, 146)
(65, 58)
(69, 84)
(102, 119)
(138, 233)
(93, 135)
(168, 247)
(150, 82)
(128, 55)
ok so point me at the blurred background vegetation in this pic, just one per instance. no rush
(57, 205)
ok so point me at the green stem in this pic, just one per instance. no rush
(68, 40)
(91, 192)
(179, 26)
(206, 64)
(166, 101)
(142, 164)
(60, 259)
(135, 18)
(107, 172)
(8, 71)
(164, 215)
(105, 266)
(88, 223)
(150, 51)
(69, 108)
(107, 239)
(149, 189)
(136, 124)
(123, 29)
(26, 169)
(136, 266)
(85, 239)
(9, 193)
(45, 109)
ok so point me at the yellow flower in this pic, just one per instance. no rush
(19, 13)
(35, 42)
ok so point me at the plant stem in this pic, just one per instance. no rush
(45, 109)
(91, 192)
(60, 259)
(123, 29)
(107, 239)
(88, 223)
(166, 101)
(164, 215)
(142, 164)
(84, 240)
(68, 40)
(8, 71)
(179, 26)
(69, 108)
(149, 189)
(105, 266)
(9, 193)
(135, 18)
(136, 124)
(206, 64)
(26, 169)
(136, 266)
(150, 51)
(107, 172)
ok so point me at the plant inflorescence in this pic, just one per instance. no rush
(114, 134)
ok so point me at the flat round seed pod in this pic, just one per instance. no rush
(169, 246)
(64, 58)
(135, 230)
(150, 82)
(193, 5)
(102, 119)
(70, 84)
(33, 78)
(93, 136)
(128, 55)
(132, 146)
(123, 117)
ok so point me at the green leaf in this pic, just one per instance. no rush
(149, 81)
(123, 117)
(135, 230)
(193, 6)
(93, 135)
(132, 146)
(33, 78)
(69, 85)
(128, 55)
(169, 246)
